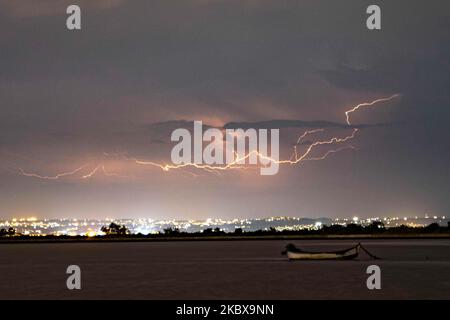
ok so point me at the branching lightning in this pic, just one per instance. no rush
(105, 173)
(91, 173)
(331, 152)
(295, 158)
(307, 132)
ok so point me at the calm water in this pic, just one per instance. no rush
(222, 270)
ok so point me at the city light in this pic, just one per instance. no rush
(91, 227)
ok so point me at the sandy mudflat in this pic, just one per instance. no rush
(222, 270)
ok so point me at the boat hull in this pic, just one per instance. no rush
(351, 254)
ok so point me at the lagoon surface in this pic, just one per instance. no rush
(410, 269)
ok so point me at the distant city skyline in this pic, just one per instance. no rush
(92, 227)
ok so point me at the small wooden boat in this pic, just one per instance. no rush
(295, 253)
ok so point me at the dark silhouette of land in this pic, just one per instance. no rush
(116, 232)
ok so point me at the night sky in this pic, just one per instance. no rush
(114, 91)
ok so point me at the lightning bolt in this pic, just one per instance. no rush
(234, 164)
(331, 152)
(91, 173)
(368, 104)
(307, 132)
(312, 146)
(104, 171)
(295, 158)
(88, 175)
(55, 177)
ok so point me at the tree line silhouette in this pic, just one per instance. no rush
(7, 232)
(375, 227)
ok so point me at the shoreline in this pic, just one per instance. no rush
(83, 239)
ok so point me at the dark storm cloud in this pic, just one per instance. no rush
(139, 69)
(29, 8)
(166, 127)
(275, 124)
(278, 124)
(170, 125)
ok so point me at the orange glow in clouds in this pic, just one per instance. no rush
(295, 158)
